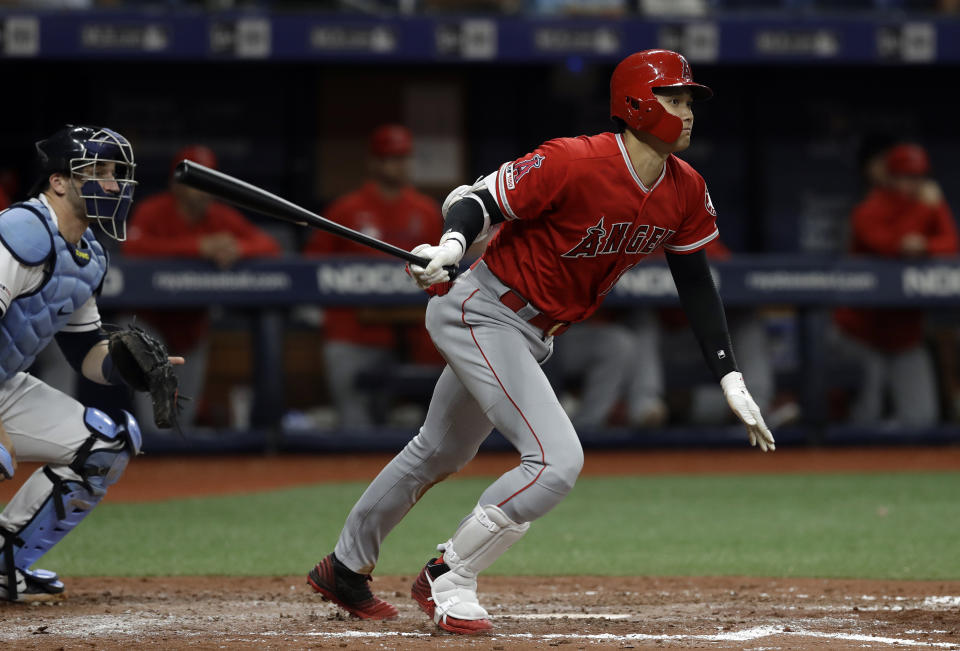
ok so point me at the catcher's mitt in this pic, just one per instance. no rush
(142, 362)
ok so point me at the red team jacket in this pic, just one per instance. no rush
(879, 223)
(578, 217)
(409, 219)
(159, 230)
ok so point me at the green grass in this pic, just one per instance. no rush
(902, 526)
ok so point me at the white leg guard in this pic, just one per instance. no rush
(478, 542)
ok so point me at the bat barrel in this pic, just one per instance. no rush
(248, 196)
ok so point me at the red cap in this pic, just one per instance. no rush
(907, 160)
(391, 140)
(197, 154)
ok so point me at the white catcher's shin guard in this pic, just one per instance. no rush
(485, 535)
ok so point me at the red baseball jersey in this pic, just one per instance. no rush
(158, 229)
(578, 217)
(879, 224)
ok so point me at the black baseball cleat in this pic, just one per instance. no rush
(32, 586)
(337, 583)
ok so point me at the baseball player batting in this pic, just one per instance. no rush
(51, 269)
(574, 215)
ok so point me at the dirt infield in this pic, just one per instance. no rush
(568, 612)
(530, 612)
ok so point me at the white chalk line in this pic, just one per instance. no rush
(568, 616)
(746, 635)
(96, 625)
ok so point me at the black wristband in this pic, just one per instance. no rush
(76, 345)
(110, 371)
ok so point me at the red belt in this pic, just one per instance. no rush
(516, 302)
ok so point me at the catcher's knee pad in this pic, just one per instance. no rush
(97, 465)
(104, 455)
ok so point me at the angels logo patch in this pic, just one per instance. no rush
(708, 203)
(518, 170)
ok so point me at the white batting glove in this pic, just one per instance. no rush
(746, 409)
(448, 252)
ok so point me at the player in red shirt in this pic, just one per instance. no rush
(358, 341)
(907, 218)
(575, 214)
(186, 223)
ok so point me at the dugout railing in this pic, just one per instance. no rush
(810, 287)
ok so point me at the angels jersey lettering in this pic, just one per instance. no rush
(581, 217)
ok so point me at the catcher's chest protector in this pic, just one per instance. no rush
(32, 320)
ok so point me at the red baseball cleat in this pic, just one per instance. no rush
(422, 593)
(337, 583)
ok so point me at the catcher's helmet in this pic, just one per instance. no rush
(73, 151)
(633, 83)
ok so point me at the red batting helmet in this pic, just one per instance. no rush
(391, 140)
(907, 160)
(632, 85)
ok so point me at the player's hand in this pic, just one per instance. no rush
(746, 409)
(8, 457)
(445, 254)
(930, 193)
(913, 245)
(223, 248)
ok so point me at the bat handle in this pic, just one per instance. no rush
(451, 269)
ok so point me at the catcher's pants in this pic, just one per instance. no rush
(492, 378)
(44, 425)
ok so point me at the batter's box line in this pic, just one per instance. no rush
(568, 616)
(746, 635)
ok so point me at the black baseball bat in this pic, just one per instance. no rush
(246, 195)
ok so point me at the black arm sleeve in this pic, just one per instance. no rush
(466, 216)
(704, 309)
(76, 345)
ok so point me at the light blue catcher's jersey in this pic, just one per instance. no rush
(71, 276)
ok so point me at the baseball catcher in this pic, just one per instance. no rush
(52, 269)
(142, 363)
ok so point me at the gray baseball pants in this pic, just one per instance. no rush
(492, 379)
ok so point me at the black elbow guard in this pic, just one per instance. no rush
(465, 217)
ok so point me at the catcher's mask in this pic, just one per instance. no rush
(85, 153)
